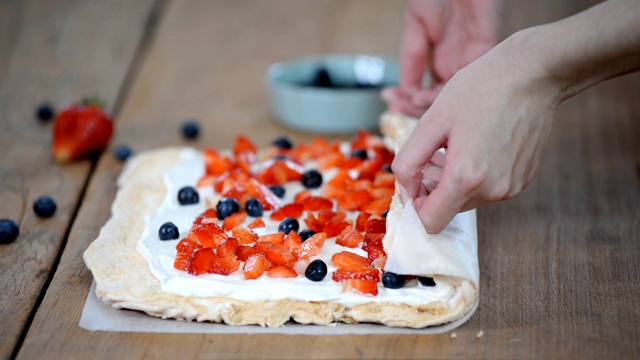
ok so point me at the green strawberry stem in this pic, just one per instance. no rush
(94, 100)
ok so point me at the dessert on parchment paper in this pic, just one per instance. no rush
(313, 233)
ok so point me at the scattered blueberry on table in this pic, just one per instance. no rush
(226, 207)
(122, 152)
(306, 234)
(9, 231)
(393, 281)
(277, 190)
(253, 207)
(426, 281)
(190, 130)
(282, 142)
(316, 271)
(45, 112)
(168, 231)
(188, 195)
(44, 206)
(289, 224)
(312, 179)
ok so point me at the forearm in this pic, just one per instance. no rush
(585, 49)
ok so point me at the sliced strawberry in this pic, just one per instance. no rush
(202, 261)
(330, 160)
(227, 248)
(313, 223)
(208, 234)
(243, 252)
(382, 193)
(380, 262)
(208, 216)
(347, 259)
(261, 192)
(353, 200)
(185, 249)
(360, 140)
(277, 238)
(234, 220)
(384, 179)
(292, 240)
(363, 273)
(361, 221)
(372, 243)
(377, 207)
(334, 228)
(350, 237)
(207, 181)
(225, 265)
(219, 166)
(280, 271)
(237, 191)
(210, 154)
(80, 131)
(311, 247)
(370, 167)
(257, 223)
(363, 184)
(293, 210)
(376, 226)
(350, 163)
(244, 146)
(317, 203)
(341, 179)
(331, 216)
(278, 254)
(373, 237)
(274, 174)
(254, 266)
(361, 287)
(301, 196)
(244, 236)
(301, 266)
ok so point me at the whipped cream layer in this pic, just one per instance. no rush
(160, 255)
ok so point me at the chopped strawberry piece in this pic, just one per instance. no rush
(376, 252)
(335, 228)
(313, 223)
(293, 210)
(219, 165)
(208, 216)
(280, 255)
(333, 192)
(331, 216)
(234, 220)
(363, 273)
(341, 179)
(362, 184)
(243, 252)
(361, 287)
(361, 221)
(382, 193)
(244, 236)
(261, 192)
(280, 271)
(257, 223)
(370, 167)
(377, 207)
(317, 203)
(311, 247)
(301, 266)
(353, 200)
(254, 266)
(244, 161)
(373, 237)
(225, 265)
(227, 248)
(275, 174)
(350, 163)
(208, 234)
(372, 243)
(320, 146)
(210, 154)
(350, 237)
(185, 248)
(237, 192)
(301, 196)
(244, 146)
(384, 179)
(277, 238)
(330, 160)
(79, 131)
(360, 140)
(347, 259)
(376, 226)
(380, 262)
(207, 181)
(202, 261)
(292, 240)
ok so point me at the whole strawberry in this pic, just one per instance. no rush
(81, 130)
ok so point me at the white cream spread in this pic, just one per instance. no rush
(160, 255)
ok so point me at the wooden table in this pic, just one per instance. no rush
(560, 264)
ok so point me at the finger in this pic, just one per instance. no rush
(439, 208)
(439, 158)
(416, 152)
(414, 53)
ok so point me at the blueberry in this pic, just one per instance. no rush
(387, 168)
(44, 206)
(45, 112)
(384, 214)
(289, 224)
(278, 190)
(168, 231)
(360, 154)
(306, 234)
(322, 79)
(426, 281)
(282, 142)
(122, 152)
(316, 271)
(190, 130)
(226, 207)
(312, 179)
(393, 281)
(188, 195)
(9, 231)
(253, 207)
(280, 157)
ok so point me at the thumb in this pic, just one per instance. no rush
(438, 208)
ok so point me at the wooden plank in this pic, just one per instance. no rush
(56, 51)
(559, 267)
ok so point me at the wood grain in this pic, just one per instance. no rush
(57, 52)
(559, 264)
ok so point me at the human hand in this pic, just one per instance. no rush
(443, 36)
(493, 117)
